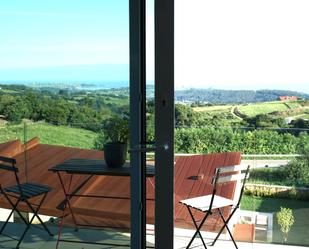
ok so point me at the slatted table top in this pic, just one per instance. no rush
(96, 167)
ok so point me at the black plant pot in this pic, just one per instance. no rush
(115, 154)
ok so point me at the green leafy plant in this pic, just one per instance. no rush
(115, 130)
(298, 169)
(285, 220)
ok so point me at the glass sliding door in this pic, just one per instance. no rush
(242, 96)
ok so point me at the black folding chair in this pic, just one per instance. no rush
(211, 204)
(22, 192)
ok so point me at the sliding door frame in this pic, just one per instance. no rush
(164, 123)
(138, 121)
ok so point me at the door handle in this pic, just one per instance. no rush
(148, 147)
(196, 177)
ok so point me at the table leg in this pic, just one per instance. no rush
(64, 209)
(74, 192)
(67, 199)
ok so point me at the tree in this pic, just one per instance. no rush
(298, 169)
(5, 101)
(300, 123)
(87, 101)
(16, 111)
(57, 111)
(265, 120)
(185, 116)
(31, 100)
(64, 92)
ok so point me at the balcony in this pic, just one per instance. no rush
(255, 225)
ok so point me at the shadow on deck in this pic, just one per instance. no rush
(39, 239)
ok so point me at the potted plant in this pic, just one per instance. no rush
(114, 138)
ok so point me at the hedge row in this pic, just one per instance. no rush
(212, 139)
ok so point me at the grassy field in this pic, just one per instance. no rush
(50, 134)
(293, 104)
(117, 100)
(113, 100)
(252, 110)
(213, 109)
(284, 109)
(298, 234)
(7, 91)
(303, 116)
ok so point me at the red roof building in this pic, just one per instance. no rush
(287, 98)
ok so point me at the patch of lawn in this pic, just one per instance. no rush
(293, 104)
(299, 233)
(302, 116)
(50, 134)
(222, 112)
(252, 110)
(8, 91)
(273, 176)
(215, 108)
(120, 101)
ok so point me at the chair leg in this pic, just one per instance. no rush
(225, 225)
(8, 218)
(218, 235)
(198, 228)
(25, 231)
(12, 204)
(35, 214)
(227, 228)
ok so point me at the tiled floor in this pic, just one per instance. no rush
(181, 243)
(39, 239)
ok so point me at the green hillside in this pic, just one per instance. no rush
(213, 109)
(297, 109)
(252, 110)
(50, 134)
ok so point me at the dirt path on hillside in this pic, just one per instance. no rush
(235, 113)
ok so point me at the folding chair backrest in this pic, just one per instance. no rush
(229, 174)
(9, 164)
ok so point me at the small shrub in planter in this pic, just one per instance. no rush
(114, 139)
(285, 219)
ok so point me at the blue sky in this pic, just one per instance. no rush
(239, 44)
(53, 36)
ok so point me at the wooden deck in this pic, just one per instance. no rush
(192, 178)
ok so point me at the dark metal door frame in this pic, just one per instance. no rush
(164, 123)
(138, 121)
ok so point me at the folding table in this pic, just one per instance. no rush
(91, 168)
